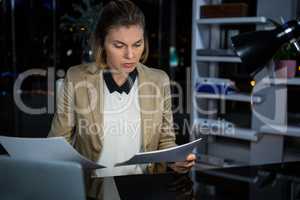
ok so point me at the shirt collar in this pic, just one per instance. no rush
(127, 85)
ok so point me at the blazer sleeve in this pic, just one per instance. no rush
(167, 134)
(63, 120)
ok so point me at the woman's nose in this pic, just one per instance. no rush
(129, 53)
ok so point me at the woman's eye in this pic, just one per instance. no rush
(118, 46)
(137, 45)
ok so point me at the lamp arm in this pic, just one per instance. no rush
(296, 45)
(289, 32)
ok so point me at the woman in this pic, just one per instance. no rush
(117, 106)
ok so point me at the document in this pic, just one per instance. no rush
(45, 149)
(173, 154)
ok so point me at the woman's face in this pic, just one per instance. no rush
(124, 46)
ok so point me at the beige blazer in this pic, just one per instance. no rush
(79, 114)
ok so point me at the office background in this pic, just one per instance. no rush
(41, 34)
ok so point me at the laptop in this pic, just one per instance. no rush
(36, 180)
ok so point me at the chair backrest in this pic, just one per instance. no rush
(20, 179)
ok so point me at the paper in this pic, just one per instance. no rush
(178, 153)
(55, 148)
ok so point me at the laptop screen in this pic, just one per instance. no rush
(33, 180)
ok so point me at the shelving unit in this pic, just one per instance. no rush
(292, 131)
(281, 81)
(225, 129)
(233, 20)
(231, 97)
(268, 98)
(218, 59)
(217, 55)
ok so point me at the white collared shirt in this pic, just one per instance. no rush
(122, 131)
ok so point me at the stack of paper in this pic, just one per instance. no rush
(57, 148)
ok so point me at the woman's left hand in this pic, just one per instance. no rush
(184, 166)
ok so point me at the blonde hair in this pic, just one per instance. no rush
(117, 13)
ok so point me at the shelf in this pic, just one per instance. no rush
(231, 97)
(212, 162)
(217, 55)
(292, 131)
(223, 128)
(215, 172)
(282, 81)
(240, 118)
(216, 52)
(231, 59)
(233, 20)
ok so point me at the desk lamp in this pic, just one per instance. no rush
(257, 48)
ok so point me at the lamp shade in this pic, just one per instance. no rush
(256, 48)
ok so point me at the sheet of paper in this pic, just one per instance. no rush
(55, 148)
(178, 153)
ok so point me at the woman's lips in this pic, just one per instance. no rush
(128, 65)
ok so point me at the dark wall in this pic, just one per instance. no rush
(33, 39)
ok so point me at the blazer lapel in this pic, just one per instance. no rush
(95, 79)
(146, 92)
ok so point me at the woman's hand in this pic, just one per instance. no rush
(184, 166)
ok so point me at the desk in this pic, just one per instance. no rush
(158, 187)
(274, 181)
(279, 181)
